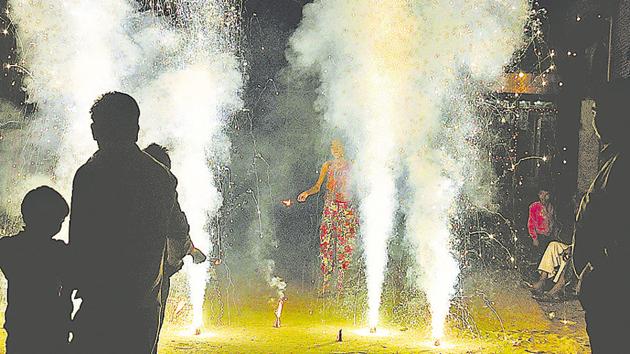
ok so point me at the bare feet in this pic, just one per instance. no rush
(557, 288)
(538, 286)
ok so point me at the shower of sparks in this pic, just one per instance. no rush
(398, 80)
(380, 332)
(178, 60)
(35, 170)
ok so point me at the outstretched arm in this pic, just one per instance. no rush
(315, 188)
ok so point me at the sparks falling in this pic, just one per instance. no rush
(182, 69)
(388, 73)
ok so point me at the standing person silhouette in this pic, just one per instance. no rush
(601, 240)
(38, 307)
(124, 207)
(339, 220)
(175, 251)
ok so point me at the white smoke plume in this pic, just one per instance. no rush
(74, 51)
(11, 119)
(273, 281)
(182, 70)
(389, 71)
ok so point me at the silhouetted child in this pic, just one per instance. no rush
(174, 256)
(37, 315)
(175, 251)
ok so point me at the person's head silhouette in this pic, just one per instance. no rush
(115, 119)
(159, 153)
(43, 211)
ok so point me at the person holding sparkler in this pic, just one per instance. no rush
(124, 208)
(339, 220)
(175, 251)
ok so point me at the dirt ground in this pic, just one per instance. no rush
(506, 320)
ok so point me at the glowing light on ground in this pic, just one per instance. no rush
(193, 334)
(443, 344)
(380, 332)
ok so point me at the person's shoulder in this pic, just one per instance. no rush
(4, 240)
(535, 205)
(57, 243)
(149, 162)
(57, 246)
(90, 165)
(157, 170)
(9, 241)
(329, 165)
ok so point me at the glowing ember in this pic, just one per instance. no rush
(196, 333)
(441, 343)
(373, 332)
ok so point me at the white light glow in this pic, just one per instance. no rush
(394, 77)
(184, 77)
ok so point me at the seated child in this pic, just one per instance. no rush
(553, 265)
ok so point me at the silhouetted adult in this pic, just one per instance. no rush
(601, 241)
(37, 315)
(124, 206)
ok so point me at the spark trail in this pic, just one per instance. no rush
(396, 79)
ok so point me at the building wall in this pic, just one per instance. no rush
(588, 148)
(620, 54)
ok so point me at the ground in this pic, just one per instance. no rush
(504, 316)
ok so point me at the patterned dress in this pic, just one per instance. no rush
(339, 225)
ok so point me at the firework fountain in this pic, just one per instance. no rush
(177, 58)
(397, 79)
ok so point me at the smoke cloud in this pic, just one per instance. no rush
(181, 68)
(397, 78)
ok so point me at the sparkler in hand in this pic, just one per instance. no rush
(197, 256)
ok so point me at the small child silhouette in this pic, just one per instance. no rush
(175, 252)
(37, 315)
